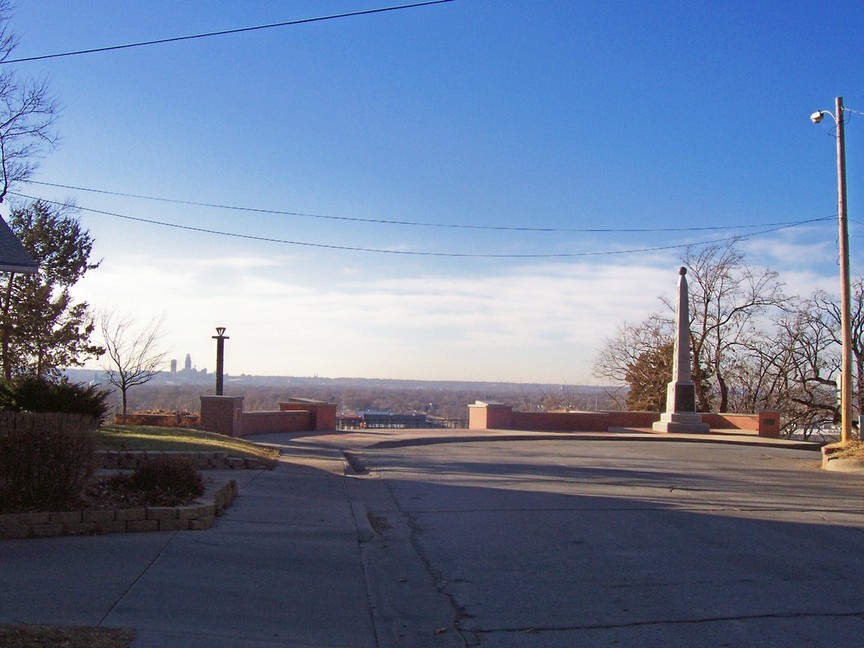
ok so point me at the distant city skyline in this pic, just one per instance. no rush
(478, 190)
(188, 367)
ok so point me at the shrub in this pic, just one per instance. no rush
(168, 480)
(40, 395)
(45, 459)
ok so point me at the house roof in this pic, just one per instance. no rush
(13, 256)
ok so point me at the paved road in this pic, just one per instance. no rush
(622, 543)
(494, 543)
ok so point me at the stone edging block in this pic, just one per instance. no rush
(131, 459)
(197, 516)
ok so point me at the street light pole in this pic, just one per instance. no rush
(845, 290)
(845, 286)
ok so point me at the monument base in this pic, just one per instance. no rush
(681, 422)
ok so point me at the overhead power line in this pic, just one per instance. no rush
(225, 32)
(381, 221)
(462, 255)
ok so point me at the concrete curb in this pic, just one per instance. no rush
(843, 465)
(840, 464)
(614, 434)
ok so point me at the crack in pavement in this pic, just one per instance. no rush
(636, 624)
(406, 600)
(146, 569)
(460, 613)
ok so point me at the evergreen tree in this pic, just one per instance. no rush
(42, 329)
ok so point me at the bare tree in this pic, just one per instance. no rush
(830, 310)
(727, 299)
(27, 114)
(729, 306)
(753, 348)
(792, 370)
(132, 354)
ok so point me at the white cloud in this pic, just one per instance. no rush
(523, 322)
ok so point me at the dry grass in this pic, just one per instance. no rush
(149, 437)
(852, 450)
(34, 636)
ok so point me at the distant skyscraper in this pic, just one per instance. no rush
(188, 365)
(173, 366)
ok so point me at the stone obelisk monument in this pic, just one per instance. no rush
(680, 414)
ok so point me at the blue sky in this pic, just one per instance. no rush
(560, 115)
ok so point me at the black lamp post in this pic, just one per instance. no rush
(220, 338)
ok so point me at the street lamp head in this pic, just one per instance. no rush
(817, 116)
(220, 331)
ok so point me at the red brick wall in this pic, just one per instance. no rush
(261, 422)
(632, 419)
(731, 421)
(483, 416)
(561, 421)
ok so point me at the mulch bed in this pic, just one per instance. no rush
(112, 492)
(33, 636)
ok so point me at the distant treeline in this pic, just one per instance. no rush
(437, 398)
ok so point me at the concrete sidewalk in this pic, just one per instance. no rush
(281, 568)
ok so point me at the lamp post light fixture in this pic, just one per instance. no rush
(845, 290)
(220, 338)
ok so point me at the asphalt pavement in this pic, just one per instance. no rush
(400, 539)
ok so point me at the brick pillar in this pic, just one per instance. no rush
(490, 416)
(322, 415)
(325, 417)
(769, 424)
(222, 414)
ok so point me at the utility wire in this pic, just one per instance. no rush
(224, 32)
(380, 221)
(462, 255)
